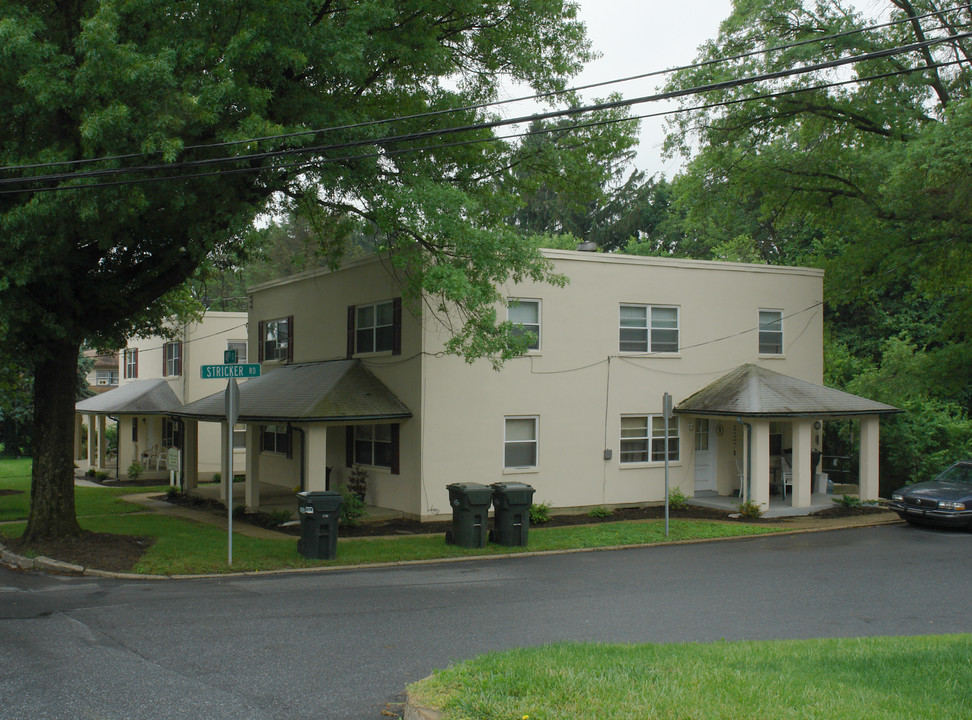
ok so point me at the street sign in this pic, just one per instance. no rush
(224, 372)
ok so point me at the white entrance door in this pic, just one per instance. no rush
(705, 444)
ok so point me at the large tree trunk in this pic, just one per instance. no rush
(52, 512)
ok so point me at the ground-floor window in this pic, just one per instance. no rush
(520, 442)
(276, 439)
(643, 439)
(374, 445)
(170, 433)
(239, 437)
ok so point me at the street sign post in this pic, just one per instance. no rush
(230, 372)
(667, 413)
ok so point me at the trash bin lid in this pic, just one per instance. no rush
(473, 493)
(321, 500)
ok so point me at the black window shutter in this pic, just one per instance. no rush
(394, 448)
(179, 364)
(397, 327)
(349, 446)
(260, 330)
(350, 332)
(290, 338)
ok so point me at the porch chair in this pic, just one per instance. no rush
(786, 474)
(162, 459)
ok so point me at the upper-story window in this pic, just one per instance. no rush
(240, 347)
(525, 316)
(172, 352)
(106, 377)
(770, 332)
(276, 339)
(649, 328)
(376, 327)
(131, 363)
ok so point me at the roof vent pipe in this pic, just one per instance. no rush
(587, 246)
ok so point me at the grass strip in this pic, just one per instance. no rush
(833, 679)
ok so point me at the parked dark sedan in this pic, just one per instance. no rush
(946, 500)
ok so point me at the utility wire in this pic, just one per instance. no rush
(496, 103)
(304, 165)
(611, 105)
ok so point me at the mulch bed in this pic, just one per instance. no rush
(117, 553)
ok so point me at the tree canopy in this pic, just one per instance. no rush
(141, 137)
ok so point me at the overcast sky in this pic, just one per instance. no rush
(639, 36)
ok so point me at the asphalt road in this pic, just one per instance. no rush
(338, 645)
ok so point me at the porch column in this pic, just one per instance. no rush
(315, 449)
(252, 465)
(802, 474)
(869, 472)
(92, 429)
(190, 454)
(77, 437)
(760, 464)
(102, 442)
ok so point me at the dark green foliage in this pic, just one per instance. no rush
(539, 513)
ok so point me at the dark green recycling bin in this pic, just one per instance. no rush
(511, 512)
(319, 511)
(470, 514)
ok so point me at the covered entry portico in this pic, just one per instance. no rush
(296, 419)
(747, 403)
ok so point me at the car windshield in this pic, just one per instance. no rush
(959, 472)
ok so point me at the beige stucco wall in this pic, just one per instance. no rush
(577, 384)
(318, 302)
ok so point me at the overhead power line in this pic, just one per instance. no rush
(497, 103)
(490, 125)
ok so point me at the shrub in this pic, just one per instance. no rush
(539, 513)
(217, 477)
(134, 470)
(600, 512)
(172, 493)
(358, 481)
(352, 509)
(101, 475)
(677, 499)
(750, 510)
(90, 472)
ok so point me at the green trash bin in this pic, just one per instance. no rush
(319, 511)
(511, 512)
(470, 514)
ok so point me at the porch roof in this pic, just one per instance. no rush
(139, 397)
(334, 390)
(753, 391)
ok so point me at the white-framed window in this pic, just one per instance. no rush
(643, 439)
(374, 327)
(520, 442)
(770, 332)
(131, 362)
(649, 328)
(276, 439)
(240, 347)
(106, 377)
(239, 435)
(525, 316)
(373, 445)
(276, 339)
(172, 352)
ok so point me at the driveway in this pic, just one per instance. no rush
(342, 644)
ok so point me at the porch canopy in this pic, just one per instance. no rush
(139, 397)
(756, 396)
(313, 395)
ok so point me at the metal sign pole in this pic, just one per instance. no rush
(667, 412)
(232, 413)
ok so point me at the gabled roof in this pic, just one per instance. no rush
(336, 390)
(139, 397)
(753, 391)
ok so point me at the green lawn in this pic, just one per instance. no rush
(185, 547)
(835, 679)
